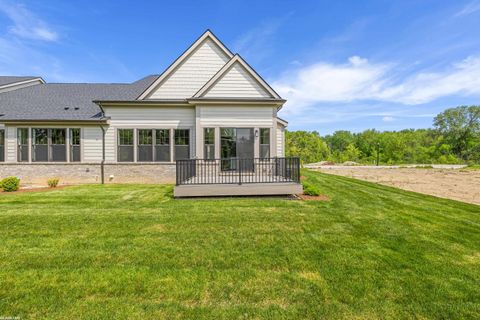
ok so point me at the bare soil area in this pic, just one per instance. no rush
(453, 184)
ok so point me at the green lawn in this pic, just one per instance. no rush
(133, 252)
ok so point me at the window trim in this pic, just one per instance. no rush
(260, 144)
(205, 144)
(18, 145)
(49, 144)
(189, 145)
(125, 145)
(154, 145)
(71, 145)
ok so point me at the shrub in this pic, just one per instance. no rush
(310, 189)
(53, 182)
(10, 184)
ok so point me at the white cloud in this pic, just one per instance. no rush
(470, 8)
(27, 25)
(388, 119)
(361, 80)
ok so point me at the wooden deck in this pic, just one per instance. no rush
(248, 189)
(237, 177)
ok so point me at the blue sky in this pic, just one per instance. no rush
(343, 65)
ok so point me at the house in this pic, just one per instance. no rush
(209, 106)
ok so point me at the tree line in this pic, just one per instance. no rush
(454, 138)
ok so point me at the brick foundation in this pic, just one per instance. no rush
(69, 173)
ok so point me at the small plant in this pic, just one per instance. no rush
(10, 184)
(53, 182)
(310, 189)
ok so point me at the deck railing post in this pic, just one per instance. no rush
(240, 171)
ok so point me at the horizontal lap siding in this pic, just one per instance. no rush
(148, 118)
(280, 140)
(237, 83)
(92, 144)
(11, 144)
(193, 73)
(233, 116)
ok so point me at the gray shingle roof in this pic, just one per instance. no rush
(4, 80)
(50, 101)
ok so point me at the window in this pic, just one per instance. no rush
(125, 145)
(22, 142)
(145, 145)
(58, 145)
(209, 142)
(75, 145)
(49, 145)
(264, 143)
(2, 145)
(182, 144)
(162, 145)
(40, 145)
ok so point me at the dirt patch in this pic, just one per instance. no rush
(42, 189)
(314, 198)
(453, 184)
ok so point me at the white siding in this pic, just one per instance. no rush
(280, 140)
(11, 144)
(92, 144)
(236, 116)
(237, 83)
(193, 73)
(163, 117)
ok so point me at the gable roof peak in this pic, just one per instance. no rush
(236, 59)
(208, 34)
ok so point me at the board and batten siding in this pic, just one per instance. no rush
(162, 117)
(236, 116)
(237, 83)
(193, 73)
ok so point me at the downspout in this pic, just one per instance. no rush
(102, 163)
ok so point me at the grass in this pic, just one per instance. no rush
(132, 252)
(471, 167)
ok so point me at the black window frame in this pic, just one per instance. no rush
(161, 145)
(145, 139)
(48, 148)
(264, 148)
(22, 148)
(182, 143)
(122, 147)
(75, 147)
(209, 143)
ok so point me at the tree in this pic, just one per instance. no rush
(461, 128)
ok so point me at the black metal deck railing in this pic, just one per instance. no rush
(237, 171)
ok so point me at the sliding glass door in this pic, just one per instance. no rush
(237, 148)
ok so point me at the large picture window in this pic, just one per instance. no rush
(22, 144)
(209, 142)
(75, 147)
(264, 143)
(182, 144)
(125, 145)
(2, 145)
